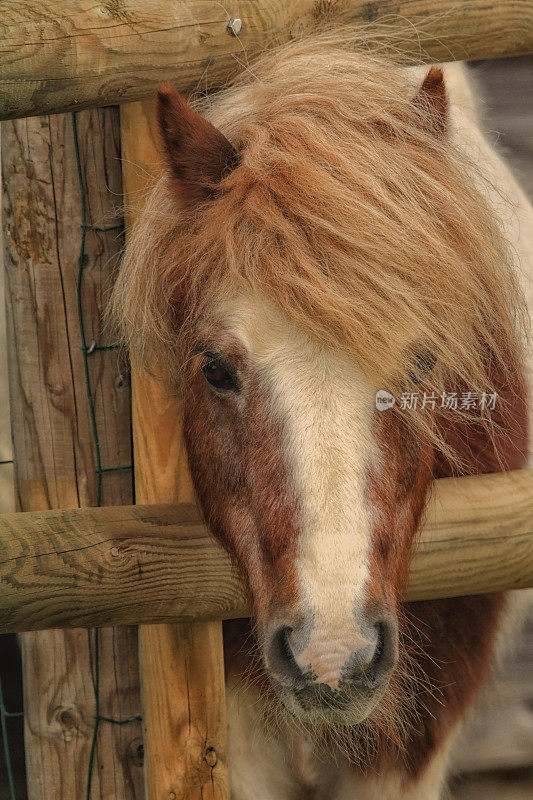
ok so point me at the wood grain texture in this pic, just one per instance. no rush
(159, 563)
(182, 665)
(65, 54)
(101, 566)
(477, 537)
(52, 436)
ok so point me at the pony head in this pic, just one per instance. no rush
(314, 239)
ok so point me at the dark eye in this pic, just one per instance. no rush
(219, 376)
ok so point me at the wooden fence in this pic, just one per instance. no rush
(156, 562)
(57, 55)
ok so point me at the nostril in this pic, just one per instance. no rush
(372, 664)
(381, 629)
(281, 658)
(283, 645)
(385, 653)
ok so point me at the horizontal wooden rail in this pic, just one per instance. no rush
(57, 55)
(143, 564)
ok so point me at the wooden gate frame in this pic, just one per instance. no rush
(47, 64)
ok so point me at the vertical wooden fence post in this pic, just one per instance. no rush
(54, 436)
(182, 672)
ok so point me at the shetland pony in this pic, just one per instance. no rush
(330, 227)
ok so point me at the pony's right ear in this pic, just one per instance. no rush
(196, 154)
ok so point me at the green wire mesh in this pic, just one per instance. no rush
(87, 350)
(4, 716)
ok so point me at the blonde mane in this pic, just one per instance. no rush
(349, 212)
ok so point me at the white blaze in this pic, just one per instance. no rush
(325, 406)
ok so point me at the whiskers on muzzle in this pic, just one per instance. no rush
(340, 678)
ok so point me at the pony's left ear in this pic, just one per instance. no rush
(431, 100)
(197, 155)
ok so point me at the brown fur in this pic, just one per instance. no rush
(449, 642)
(197, 154)
(236, 462)
(432, 97)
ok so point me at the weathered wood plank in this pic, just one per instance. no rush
(477, 537)
(65, 54)
(182, 665)
(53, 441)
(97, 566)
(159, 563)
